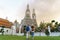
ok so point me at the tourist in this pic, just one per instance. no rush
(27, 32)
(32, 32)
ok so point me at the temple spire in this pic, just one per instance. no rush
(28, 8)
(33, 14)
(34, 11)
(27, 15)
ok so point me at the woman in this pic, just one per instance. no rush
(32, 32)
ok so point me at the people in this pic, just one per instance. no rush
(27, 32)
(32, 32)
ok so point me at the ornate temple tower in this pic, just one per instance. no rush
(27, 15)
(34, 18)
(33, 15)
(28, 20)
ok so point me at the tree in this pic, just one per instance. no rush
(47, 32)
(53, 21)
(42, 25)
(24, 30)
(56, 25)
(59, 24)
(38, 29)
(48, 24)
(2, 30)
(52, 25)
(58, 28)
(56, 22)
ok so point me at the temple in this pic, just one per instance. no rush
(27, 20)
(5, 23)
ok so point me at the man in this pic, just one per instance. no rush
(27, 32)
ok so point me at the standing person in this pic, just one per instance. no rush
(24, 30)
(27, 32)
(32, 32)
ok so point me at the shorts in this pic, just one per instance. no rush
(32, 33)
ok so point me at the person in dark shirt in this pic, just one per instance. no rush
(32, 32)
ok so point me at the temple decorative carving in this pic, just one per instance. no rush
(28, 20)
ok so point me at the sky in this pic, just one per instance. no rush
(46, 10)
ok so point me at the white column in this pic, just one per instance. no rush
(20, 29)
(49, 29)
(13, 30)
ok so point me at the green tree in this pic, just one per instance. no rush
(47, 32)
(2, 30)
(42, 25)
(56, 24)
(59, 24)
(24, 30)
(38, 29)
(52, 21)
(52, 26)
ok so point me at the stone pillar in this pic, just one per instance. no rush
(49, 29)
(13, 30)
(19, 29)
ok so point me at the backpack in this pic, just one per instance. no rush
(27, 28)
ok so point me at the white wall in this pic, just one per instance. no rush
(51, 34)
(9, 31)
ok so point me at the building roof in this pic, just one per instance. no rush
(5, 23)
